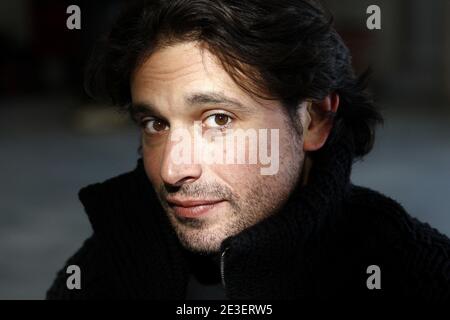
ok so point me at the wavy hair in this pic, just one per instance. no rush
(286, 50)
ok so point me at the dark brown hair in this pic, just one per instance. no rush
(286, 50)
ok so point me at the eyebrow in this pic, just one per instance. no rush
(210, 98)
(193, 99)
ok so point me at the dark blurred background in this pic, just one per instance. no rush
(55, 140)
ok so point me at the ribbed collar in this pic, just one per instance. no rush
(271, 259)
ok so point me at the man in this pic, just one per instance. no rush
(204, 217)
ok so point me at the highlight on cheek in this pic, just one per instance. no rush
(251, 146)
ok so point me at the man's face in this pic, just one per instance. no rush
(208, 201)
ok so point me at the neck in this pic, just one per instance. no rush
(307, 165)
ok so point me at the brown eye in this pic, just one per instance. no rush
(221, 119)
(154, 126)
(158, 125)
(217, 120)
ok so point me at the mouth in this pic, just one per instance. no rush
(193, 208)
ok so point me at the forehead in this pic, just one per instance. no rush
(176, 71)
(182, 66)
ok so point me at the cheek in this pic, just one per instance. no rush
(239, 177)
(291, 146)
(258, 195)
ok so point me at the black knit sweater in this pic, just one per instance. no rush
(318, 246)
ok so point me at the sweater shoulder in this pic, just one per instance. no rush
(417, 250)
(92, 269)
(108, 202)
(380, 213)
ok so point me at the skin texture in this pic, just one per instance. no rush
(163, 82)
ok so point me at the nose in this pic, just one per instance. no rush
(178, 166)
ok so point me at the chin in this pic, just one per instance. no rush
(205, 239)
(206, 243)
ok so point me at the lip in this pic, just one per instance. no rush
(193, 208)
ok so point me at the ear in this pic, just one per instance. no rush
(320, 116)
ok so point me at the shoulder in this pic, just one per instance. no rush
(419, 253)
(112, 207)
(380, 213)
(92, 268)
(117, 200)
